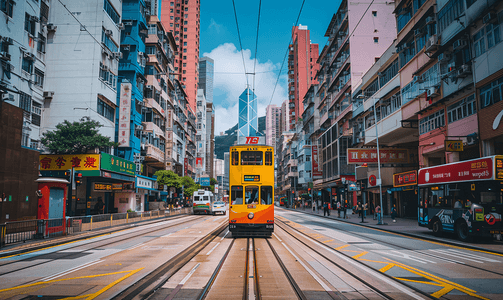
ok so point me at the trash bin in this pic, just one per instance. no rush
(77, 225)
(40, 229)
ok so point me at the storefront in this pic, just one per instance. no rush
(147, 194)
(405, 192)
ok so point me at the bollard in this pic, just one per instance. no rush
(91, 222)
(111, 217)
(127, 217)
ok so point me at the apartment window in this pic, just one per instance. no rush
(404, 16)
(184, 57)
(185, 29)
(27, 64)
(171, 10)
(7, 6)
(407, 53)
(388, 73)
(171, 17)
(185, 43)
(106, 110)
(493, 35)
(184, 65)
(431, 122)
(150, 50)
(185, 50)
(170, 24)
(183, 71)
(184, 79)
(41, 43)
(29, 23)
(450, 12)
(111, 12)
(186, 15)
(107, 41)
(461, 109)
(491, 93)
(376, 40)
(39, 77)
(25, 102)
(184, 36)
(36, 112)
(185, 22)
(172, 4)
(374, 13)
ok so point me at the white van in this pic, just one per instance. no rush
(201, 202)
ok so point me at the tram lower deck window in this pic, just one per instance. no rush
(266, 195)
(236, 195)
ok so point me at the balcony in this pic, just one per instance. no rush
(150, 126)
(292, 174)
(154, 154)
(153, 104)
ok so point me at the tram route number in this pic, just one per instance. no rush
(251, 177)
(496, 232)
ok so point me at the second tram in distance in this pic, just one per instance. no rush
(251, 182)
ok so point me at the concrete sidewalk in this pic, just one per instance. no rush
(407, 227)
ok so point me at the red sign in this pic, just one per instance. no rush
(405, 178)
(359, 156)
(185, 166)
(372, 180)
(199, 162)
(334, 191)
(251, 140)
(315, 167)
(470, 170)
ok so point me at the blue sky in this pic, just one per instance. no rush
(219, 40)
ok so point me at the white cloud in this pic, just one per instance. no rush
(215, 25)
(229, 78)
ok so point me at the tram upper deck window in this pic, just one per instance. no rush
(251, 194)
(236, 195)
(196, 198)
(268, 158)
(251, 158)
(235, 158)
(266, 195)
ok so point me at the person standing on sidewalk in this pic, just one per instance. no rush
(393, 213)
(338, 209)
(325, 208)
(365, 210)
(378, 212)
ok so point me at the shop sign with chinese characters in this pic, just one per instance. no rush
(395, 156)
(117, 164)
(124, 114)
(477, 169)
(405, 178)
(79, 162)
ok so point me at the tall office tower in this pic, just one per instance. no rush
(23, 62)
(284, 123)
(181, 17)
(206, 67)
(82, 60)
(272, 120)
(302, 68)
(201, 129)
(248, 120)
(210, 137)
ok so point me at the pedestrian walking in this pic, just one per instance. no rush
(314, 207)
(345, 209)
(378, 212)
(359, 209)
(393, 214)
(338, 209)
(365, 209)
(325, 209)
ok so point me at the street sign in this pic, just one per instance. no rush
(205, 181)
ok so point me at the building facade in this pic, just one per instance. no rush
(247, 114)
(272, 128)
(206, 74)
(210, 138)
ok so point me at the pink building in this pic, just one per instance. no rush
(302, 68)
(182, 19)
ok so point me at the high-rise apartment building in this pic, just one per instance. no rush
(201, 141)
(302, 68)
(206, 69)
(272, 128)
(248, 119)
(181, 18)
(284, 123)
(210, 138)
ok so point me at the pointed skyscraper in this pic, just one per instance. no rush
(248, 120)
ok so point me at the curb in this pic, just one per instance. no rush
(448, 242)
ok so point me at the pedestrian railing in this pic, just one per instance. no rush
(22, 231)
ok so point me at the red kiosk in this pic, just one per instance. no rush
(52, 194)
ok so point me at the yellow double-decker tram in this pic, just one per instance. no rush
(251, 182)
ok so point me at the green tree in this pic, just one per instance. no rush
(168, 178)
(76, 138)
(189, 186)
(213, 182)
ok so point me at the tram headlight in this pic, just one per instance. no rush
(250, 216)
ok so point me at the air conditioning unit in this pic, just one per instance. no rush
(48, 94)
(490, 18)
(121, 26)
(444, 57)
(432, 44)
(433, 92)
(126, 48)
(418, 79)
(149, 87)
(7, 40)
(51, 27)
(464, 71)
(429, 20)
(108, 32)
(459, 44)
(5, 56)
(34, 19)
(28, 55)
(117, 55)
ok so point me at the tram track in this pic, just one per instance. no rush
(413, 250)
(122, 238)
(372, 287)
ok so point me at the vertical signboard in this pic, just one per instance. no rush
(169, 119)
(185, 166)
(124, 114)
(199, 162)
(315, 162)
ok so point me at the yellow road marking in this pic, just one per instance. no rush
(442, 292)
(328, 241)
(386, 268)
(360, 255)
(80, 277)
(418, 281)
(343, 246)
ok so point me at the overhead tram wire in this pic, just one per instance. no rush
(287, 50)
(256, 45)
(240, 43)
(357, 24)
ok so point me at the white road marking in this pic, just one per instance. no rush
(136, 246)
(277, 237)
(190, 274)
(463, 255)
(209, 252)
(71, 270)
(225, 235)
(166, 235)
(398, 253)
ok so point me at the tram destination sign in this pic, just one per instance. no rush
(252, 178)
(471, 170)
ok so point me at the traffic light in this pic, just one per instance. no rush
(309, 190)
(67, 175)
(78, 178)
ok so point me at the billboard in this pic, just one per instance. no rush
(470, 170)
(251, 140)
(316, 168)
(394, 156)
(199, 162)
(124, 114)
(205, 181)
(53, 162)
(405, 178)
